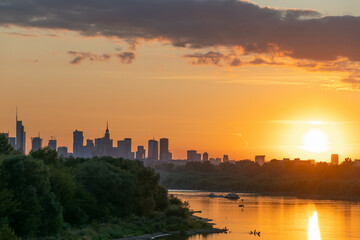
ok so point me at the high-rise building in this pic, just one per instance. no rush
(36, 143)
(63, 152)
(164, 148)
(104, 146)
(260, 159)
(193, 156)
(89, 149)
(205, 156)
(225, 158)
(165, 155)
(335, 159)
(52, 144)
(153, 150)
(20, 135)
(140, 153)
(124, 149)
(11, 140)
(78, 143)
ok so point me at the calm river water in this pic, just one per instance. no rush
(277, 218)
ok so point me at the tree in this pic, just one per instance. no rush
(40, 212)
(5, 146)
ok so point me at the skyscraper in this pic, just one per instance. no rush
(153, 150)
(20, 135)
(205, 156)
(335, 159)
(260, 159)
(193, 156)
(104, 146)
(52, 144)
(78, 143)
(36, 143)
(140, 153)
(63, 152)
(164, 150)
(225, 158)
(89, 149)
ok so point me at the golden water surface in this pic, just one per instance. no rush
(277, 218)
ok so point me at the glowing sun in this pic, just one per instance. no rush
(315, 141)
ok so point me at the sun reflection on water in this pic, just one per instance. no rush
(313, 228)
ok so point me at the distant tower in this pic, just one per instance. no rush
(193, 156)
(153, 150)
(52, 144)
(36, 143)
(140, 153)
(225, 158)
(20, 135)
(78, 143)
(63, 152)
(260, 159)
(165, 155)
(205, 156)
(335, 159)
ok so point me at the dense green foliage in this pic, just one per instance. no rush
(280, 177)
(42, 196)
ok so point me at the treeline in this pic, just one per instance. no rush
(275, 177)
(42, 195)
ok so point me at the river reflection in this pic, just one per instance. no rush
(278, 218)
(313, 228)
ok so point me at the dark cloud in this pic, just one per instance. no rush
(78, 57)
(207, 58)
(300, 34)
(126, 57)
(81, 56)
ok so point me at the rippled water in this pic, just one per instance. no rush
(277, 218)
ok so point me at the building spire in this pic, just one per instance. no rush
(16, 113)
(107, 125)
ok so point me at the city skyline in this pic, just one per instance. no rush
(258, 80)
(156, 151)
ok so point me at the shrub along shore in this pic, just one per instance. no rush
(44, 197)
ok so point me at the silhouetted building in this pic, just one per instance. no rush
(104, 146)
(225, 158)
(20, 135)
(52, 144)
(205, 156)
(165, 155)
(335, 159)
(11, 140)
(63, 152)
(260, 159)
(193, 156)
(140, 153)
(88, 149)
(36, 143)
(153, 150)
(124, 149)
(78, 143)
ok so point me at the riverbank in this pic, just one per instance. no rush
(164, 234)
(280, 194)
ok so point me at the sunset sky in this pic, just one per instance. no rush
(228, 77)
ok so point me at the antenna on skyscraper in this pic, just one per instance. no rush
(16, 113)
(107, 124)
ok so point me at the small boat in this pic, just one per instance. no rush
(232, 196)
(241, 205)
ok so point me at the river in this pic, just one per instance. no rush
(277, 218)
